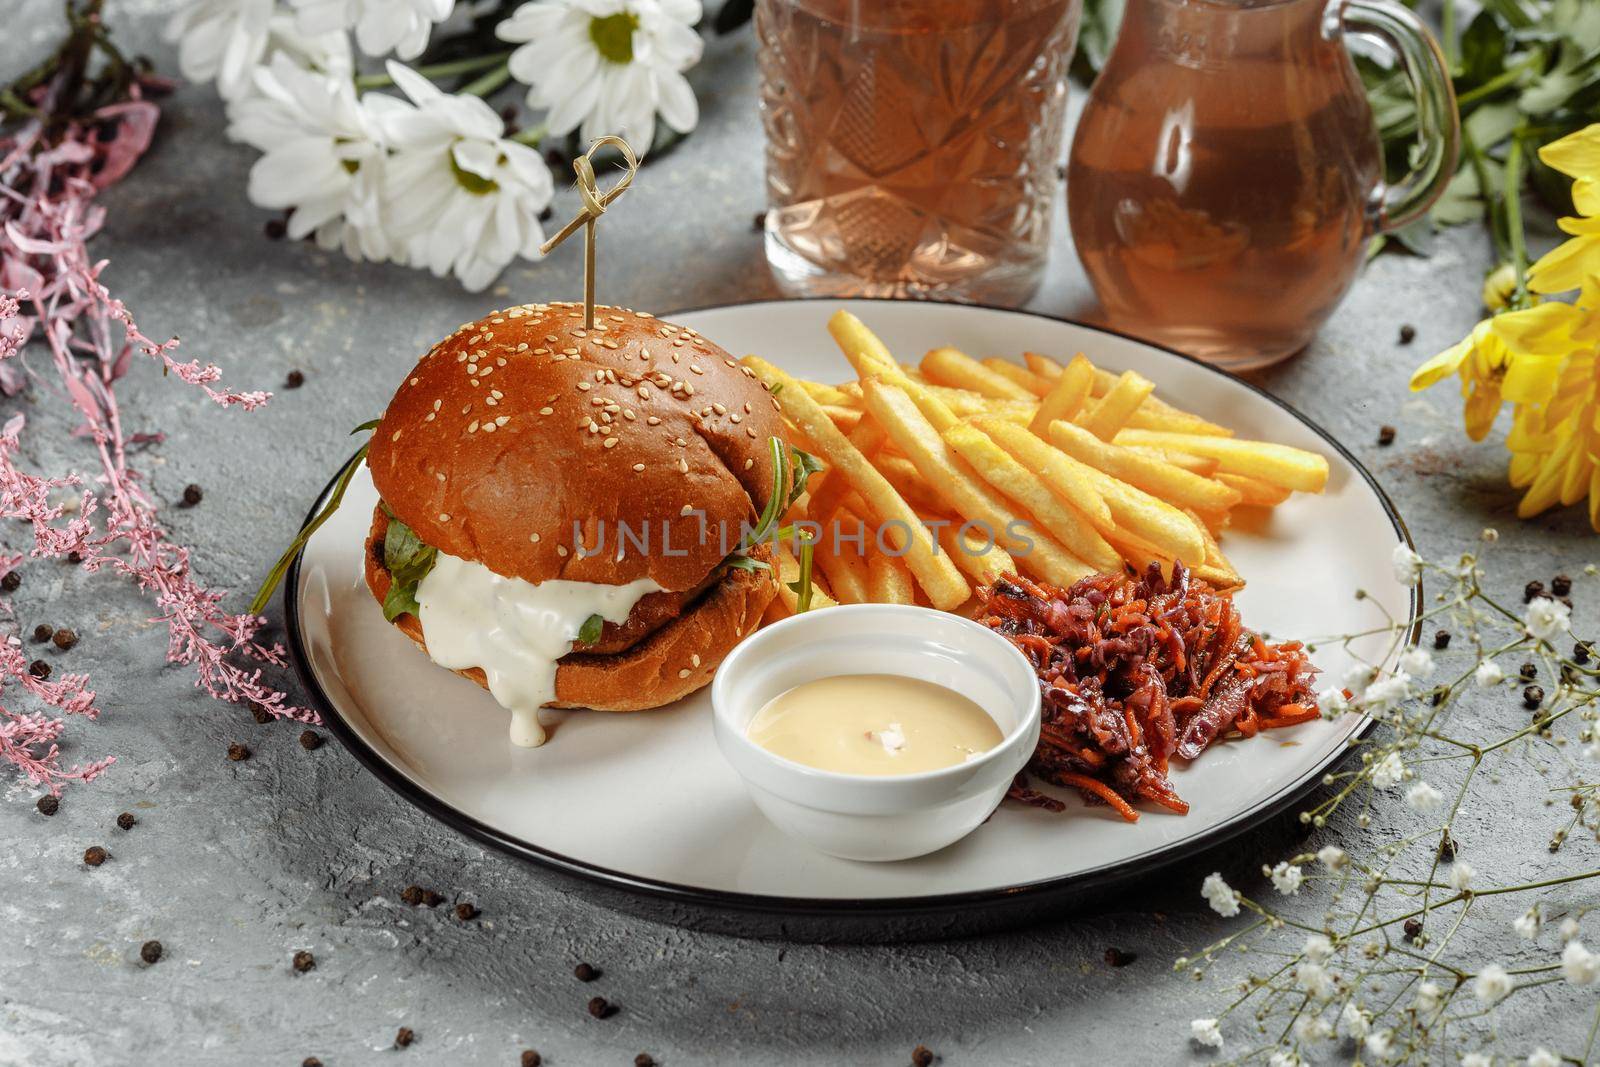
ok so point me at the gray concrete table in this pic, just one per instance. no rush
(235, 866)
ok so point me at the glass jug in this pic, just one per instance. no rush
(1226, 174)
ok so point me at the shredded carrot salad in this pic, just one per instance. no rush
(1137, 670)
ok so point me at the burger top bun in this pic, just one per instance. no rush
(514, 427)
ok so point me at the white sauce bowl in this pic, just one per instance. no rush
(877, 817)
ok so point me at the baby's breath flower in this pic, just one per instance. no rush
(1545, 618)
(1489, 535)
(1353, 1022)
(1527, 924)
(1569, 928)
(1312, 1028)
(1579, 965)
(1332, 703)
(1477, 1059)
(1418, 663)
(1488, 675)
(1429, 998)
(1206, 1032)
(1379, 1044)
(1332, 857)
(1461, 875)
(1424, 797)
(1385, 693)
(1314, 980)
(1222, 897)
(1388, 771)
(1543, 1057)
(1358, 677)
(1286, 878)
(1284, 1057)
(1492, 985)
(1318, 948)
(1407, 564)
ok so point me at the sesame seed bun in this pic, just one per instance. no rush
(518, 425)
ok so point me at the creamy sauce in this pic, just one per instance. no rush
(874, 724)
(514, 630)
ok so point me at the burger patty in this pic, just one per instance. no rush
(651, 613)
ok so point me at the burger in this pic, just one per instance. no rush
(572, 517)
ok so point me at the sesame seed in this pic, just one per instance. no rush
(429, 417)
(585, 386)
(694, 658)
(473, 426)
(547, 411)
(491, 401)
(736, 417)
(719, 409)
(534, 538)
(444, 516)
(638, 466)
(653, 421)
(488, 427)
(498, 395)
(472, 368)
(749, 463)
(610, 442)
(437, 404)
(413, 381)
(683, 465)
(684, 673)
(439, 475)
(688, 389)
(500, 361)
(474, 382)
(561, 550)
(696, 368)
(395, 436)
(688, 509)
(501, 420)
(680, 442)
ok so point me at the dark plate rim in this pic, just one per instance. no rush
(727, 900)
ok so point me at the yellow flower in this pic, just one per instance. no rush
(1513, 357)
(1498, 287)
(1566, 266)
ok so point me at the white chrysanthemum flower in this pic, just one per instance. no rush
(1224, 900)
(221, 40)
(1543, 1057)
(1418, 663)
(1424, 797)
(1332, 703)
(1353, 1022)
(1407, 564)
(1286, 878)
(1331, 856)
(1379, 1044)
(1386, 692)
(1527, 924)
(1206, 1032)
(1545, 618)
(1488, 675)
(1569, 928)
(1461, 874)
(1579, 965)
(1315, 981)
(1492, 985)
(1318, 948)
(1388, 771)
(322, 156)
(382, 26)
(457, 195)
(608, 65)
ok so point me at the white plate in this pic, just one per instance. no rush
(645, 802)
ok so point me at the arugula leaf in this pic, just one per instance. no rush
(408, 561)
(589, 632)
(802, 585)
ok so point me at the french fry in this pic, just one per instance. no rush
(828, 487)
(1253, 491)
(1291, 468)
(964, 491)
(1204, 466)
(827, 394)
(1105, 416)
(1157, 477)
(1036, 384)
(1066, 397)
(1064, 477)
(860, 345)
(776, 611)
(981, 559)
(902, 474)
(1002, 471)
(1157, 414)
(836, 554)
(1043, 365)
(945, 586)
(789, 572)
(889, 580)
(846, 418)
(952, 367)
(1216, 568)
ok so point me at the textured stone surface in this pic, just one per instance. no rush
(234, 866)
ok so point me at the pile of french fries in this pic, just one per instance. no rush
(943, 476)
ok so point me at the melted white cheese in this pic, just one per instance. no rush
(514, 630)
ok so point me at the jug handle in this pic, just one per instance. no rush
(1400, 33)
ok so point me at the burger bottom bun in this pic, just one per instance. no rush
(669, 664)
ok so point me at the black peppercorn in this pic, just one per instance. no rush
(403, 1037)
(48, 805)
(150, 951)
(43, 632)
(94, 855)
(1580, 652)
(530, 1058)
(1533, 589)
(1532, 697)
(1408, 333)
(126, 821)
(1528, 671)
(466, 912)
(303, 961)
(1413, 930)
(921, 1056)
(1118, 958)
(65, 639)
(601, 1008)
(191, 495)
(10, 582)
(1561, 585)
(585, 972)
(39, 669)
(1447, 847)
(412, 894)
(310, 1061)
(644, 1059)
(237, 752)
(1441, 639)
(275, 229)
(294, 379)
(758, 222)
(259, 713)
(1386, 434)
(310, 740)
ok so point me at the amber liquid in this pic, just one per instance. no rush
(1223, 207)
(912, 144)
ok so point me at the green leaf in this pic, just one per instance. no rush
(1461, 201)
(590, 631)
(745, 563)
(1490, 124)
(1483, 50)
(408, 560)
(400, 600)
(805, 465)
